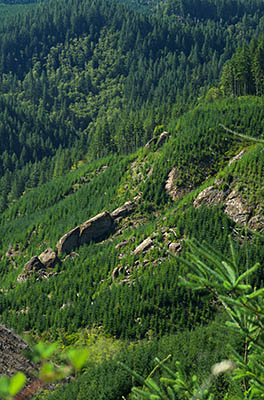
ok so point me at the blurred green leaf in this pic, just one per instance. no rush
(16, 383)
(78, 357)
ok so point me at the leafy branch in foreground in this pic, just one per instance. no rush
(244, 305)
(175, 385)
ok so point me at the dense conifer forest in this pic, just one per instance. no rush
(87, 90)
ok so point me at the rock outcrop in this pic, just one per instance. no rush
(145, 245)
(34, 265)
(94, 229)
(49, 258)
(233, 204)
(12, 358)
(158, 140)
(124, 210)
(210, 196)
(69, 241)
(173, 190)
(235, 208)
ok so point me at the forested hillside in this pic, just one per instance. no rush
(117, 111)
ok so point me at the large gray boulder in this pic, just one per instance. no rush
(69, 241)
(96, 228)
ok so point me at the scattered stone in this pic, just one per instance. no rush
(116, 272)
(12, 252)
(145, 245)
(72, 255)
(158, 261)
(12, 358)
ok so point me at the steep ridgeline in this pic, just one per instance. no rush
(93, 78)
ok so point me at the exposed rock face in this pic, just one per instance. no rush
(209, 196)
(96, 228)
(49, 258)
(11, 358)
(237, 157)
(33, 265)
(235, 208)
(233, 203)
(171, 187)
(145, 245)
(257, 223)
(159, 140)
(123, 211)
(69, 241)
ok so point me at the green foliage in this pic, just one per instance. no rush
(243, 303)
(11, 386)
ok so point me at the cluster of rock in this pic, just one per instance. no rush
(95, 229)
(40, 265)
(233, 204)
(143, 249)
